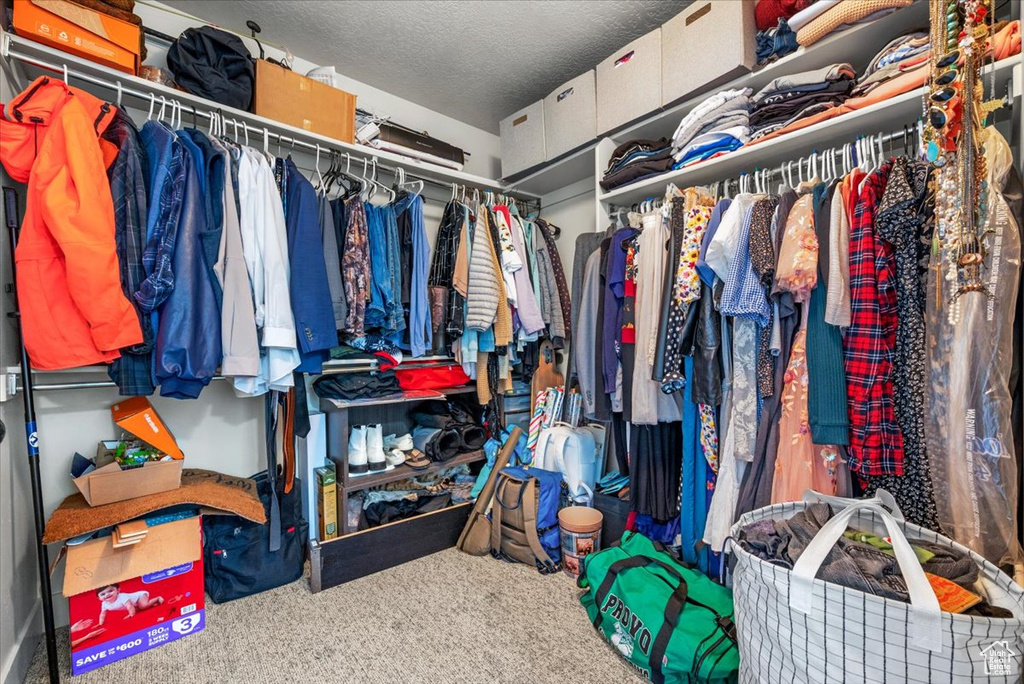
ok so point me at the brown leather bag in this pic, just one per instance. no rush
(476, 535)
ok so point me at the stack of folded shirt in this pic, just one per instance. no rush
(635, 160)
(791, 98)
(903, 54)
(718, 125)
(775, 43)
(826, 16)
(1004, 43)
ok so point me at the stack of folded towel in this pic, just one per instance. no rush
(718, 125)
(902, 54)
(791, 98)
(826, 16)
(635, 160)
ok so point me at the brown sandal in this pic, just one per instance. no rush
(416, 460)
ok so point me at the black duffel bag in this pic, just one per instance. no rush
(236, 552)
(213, 64)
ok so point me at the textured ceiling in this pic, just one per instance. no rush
(474, 60)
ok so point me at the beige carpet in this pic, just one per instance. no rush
(446, 618)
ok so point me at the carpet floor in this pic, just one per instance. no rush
(445, 618)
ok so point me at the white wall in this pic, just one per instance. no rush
(572, 209)
(20, 617)
(219, 431)
(484, 146)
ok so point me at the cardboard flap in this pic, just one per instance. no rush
(137, 416)
(97, 563)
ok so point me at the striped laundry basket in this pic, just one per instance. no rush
(795, 628)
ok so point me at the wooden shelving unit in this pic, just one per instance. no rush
(357, 553)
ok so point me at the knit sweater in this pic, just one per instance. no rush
(826, 389)
(837, 305)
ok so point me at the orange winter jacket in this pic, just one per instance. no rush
(73, 312)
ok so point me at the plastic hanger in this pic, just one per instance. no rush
(319, 176)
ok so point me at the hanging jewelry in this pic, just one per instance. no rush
(968, 249)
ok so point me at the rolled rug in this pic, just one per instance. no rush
(438, 444)
(471, 437)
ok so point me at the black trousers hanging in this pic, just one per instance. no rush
(657, 464)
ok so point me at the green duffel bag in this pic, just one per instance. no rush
(672, 623)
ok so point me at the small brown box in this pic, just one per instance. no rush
(293, 99)
(110, 483)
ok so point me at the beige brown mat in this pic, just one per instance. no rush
(200, 487)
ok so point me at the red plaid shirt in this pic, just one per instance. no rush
(876, 443)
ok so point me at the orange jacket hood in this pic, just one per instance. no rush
(73, 310)
(27, 116)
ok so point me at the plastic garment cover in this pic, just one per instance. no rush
(970, 344)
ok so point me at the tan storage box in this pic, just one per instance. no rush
(570, 115)
(629, 83)
(522, 139)
(296, 100)
(705, 45)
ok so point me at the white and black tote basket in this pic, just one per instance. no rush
(795, 628)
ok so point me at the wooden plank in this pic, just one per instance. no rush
(368, 551)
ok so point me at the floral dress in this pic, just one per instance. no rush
(800, 464)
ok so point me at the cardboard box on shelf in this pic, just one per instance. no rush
(327, 502)
(80, 31)
(124, 601)
(109, 482)
(294, 99)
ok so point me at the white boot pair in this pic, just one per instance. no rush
(366, 450)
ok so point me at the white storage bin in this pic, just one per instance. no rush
(522, 139)
(707, 44)
(570, 115)
(629, 82)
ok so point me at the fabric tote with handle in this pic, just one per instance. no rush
(669, 621)
(796, 628)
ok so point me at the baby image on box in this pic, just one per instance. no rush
(113, 599)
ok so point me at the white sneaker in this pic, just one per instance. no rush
(403, 443)
(394, 457)
(375, 448)
(357, 457)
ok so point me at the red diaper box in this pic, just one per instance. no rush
(146, 593)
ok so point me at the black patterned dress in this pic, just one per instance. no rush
(905, 222)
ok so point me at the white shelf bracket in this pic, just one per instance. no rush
(9, 386)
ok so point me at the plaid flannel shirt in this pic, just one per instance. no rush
(133, 371)
(876, 443)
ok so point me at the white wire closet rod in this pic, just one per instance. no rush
(235, 120)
